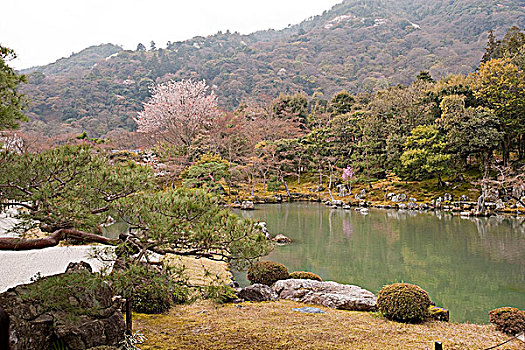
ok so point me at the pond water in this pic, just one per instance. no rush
(467, 265)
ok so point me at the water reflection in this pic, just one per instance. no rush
(467, 265)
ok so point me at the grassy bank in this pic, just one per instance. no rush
(274, 325)
(423, 191)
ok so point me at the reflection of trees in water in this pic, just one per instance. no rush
(347, 227)
(502, 238)
(467, 265)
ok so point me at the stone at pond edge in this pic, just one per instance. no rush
(329, 294)
(33, 329)
(309, 310)
(247, 205)
(438, 313)
(258, 292)
(281, 239)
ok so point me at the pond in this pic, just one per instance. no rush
(467, 265)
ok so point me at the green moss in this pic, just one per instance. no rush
(267, 272)
(305, 276)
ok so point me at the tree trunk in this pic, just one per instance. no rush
(9, 243)
(440, 182)
(506, 149)
(285, 184)
(129, 317)
(320, 174)
(286, 187)
(330, 184)
(521, 148)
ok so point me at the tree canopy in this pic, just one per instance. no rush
(12, 102)
(68, 193)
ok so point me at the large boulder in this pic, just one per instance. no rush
(329, 294)
(35, 324)
(258, 292)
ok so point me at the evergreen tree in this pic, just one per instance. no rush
(12, 102)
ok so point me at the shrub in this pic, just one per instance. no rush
(180, 294)
(151, 290)
(508, 320)
(220, 294)
(403, 302)
(151, 298)
(267, 272)
(303, 275)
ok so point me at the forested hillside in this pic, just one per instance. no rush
(359, 46)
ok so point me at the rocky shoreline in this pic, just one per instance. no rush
(483, 207)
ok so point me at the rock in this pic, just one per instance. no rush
(79, 266)
(281, 239)
(500, 205)
(109, 221)
(236, 205)
(412, 199)
(343, 191)
(439, 314)
(32, 327)
(439, 201)
(247, 205)
(464, 198)
(390, 195)
(412, 206)
(329, 294)
(363, 210)
(402, 206)
(423, 206)
(362, 193)
(347, 207)
(492, 195)
(258, 292)
(447, 197)
(309, 310)
(399, 198)
(264, 229)
(338, 203)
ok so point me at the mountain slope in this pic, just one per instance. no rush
(359, 45)
(82, 60)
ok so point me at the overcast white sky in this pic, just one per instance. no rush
(42, 31)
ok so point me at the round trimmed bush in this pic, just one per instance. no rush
(304, 275)
(267, 272)
(508, 320)
(403, 302)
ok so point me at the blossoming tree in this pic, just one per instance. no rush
(178, 111)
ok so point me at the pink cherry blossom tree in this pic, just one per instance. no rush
(178, 111)
(348, 176)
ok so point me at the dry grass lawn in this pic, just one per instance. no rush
(201, 272)
(274, 325)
